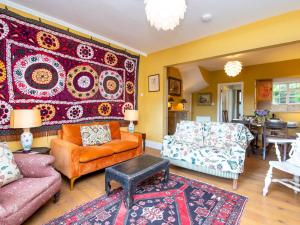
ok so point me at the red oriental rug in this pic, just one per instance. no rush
(180, 201)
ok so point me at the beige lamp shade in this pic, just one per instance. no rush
(131, 115)
(25, 118)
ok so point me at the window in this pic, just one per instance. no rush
(286, 92)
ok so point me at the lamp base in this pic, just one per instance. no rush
(131, 127)
(26, 140)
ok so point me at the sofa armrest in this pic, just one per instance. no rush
(136, 137)
(35, 166)
(66, 157)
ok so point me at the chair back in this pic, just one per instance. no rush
(275, 129)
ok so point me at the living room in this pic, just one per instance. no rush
(149, 112)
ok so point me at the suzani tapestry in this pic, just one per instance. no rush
(69, 78)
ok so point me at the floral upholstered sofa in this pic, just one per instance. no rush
(211, 147)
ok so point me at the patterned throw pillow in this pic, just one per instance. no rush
(95, 135)
(9, 170)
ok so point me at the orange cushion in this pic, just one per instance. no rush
(120, 145)
(89, 153)
(71, 132)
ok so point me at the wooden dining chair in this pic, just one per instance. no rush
(272, 129)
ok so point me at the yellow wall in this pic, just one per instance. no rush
(273, 31)
(248, 76)
(153, 105)
(45, 141)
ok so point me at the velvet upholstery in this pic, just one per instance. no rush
(71, 132)
(20, 199)
(74, 160)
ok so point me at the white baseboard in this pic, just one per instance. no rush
(153, 144)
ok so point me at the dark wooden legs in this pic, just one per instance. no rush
(107, 185)
(56, 197)
(166, 175)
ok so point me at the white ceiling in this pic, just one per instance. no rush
(124, 21)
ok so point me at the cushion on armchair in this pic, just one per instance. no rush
(9, 170)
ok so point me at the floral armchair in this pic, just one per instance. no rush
(211, 147)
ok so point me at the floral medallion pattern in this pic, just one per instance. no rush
(85, 51)
(127, 106)
(41, 65)
(75, 112)
(111, 84)
(47, 40)
(110, 59)
(47, 111)
(39, 76)
(129, 65)
(180, 201)
(104, 109)
(82, 82)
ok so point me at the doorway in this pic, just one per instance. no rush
(230, 101)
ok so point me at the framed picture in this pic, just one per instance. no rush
(204, 99)
(153, 83)
(174, 87)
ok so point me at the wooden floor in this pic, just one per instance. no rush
(281, 206)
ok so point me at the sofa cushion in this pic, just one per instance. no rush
(16, 195)
(89, 153)
(121, 145)
(95, 134)
(71, 132)
(230, 158)
(9, 170)
(189, 131)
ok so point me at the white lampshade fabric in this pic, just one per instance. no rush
(25, 118)
(131, 115)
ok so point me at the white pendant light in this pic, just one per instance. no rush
(233, 68)
(165, 14)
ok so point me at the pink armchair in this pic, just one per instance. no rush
(21, 198)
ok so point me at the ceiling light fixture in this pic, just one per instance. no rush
(233, 68)
(165, 14)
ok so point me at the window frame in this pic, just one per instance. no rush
(287, 83)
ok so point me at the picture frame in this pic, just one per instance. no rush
(153, 83)
(174, 86)
(204, 99)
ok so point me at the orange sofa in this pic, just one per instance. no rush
(74, 160)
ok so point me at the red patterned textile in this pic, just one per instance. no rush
(180, 201)
(69, 78)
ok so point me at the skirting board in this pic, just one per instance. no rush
(153, 144)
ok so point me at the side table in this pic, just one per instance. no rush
(144, 140)
(37, 150)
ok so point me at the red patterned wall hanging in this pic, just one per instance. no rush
(69, 78)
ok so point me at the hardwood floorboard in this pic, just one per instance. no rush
(281, 206)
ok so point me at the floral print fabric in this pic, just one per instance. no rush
(9, 171)
(223, 149)
(95, 135)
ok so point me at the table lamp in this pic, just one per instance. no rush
(25, 118)
(131, 115)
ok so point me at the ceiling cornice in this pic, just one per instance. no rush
(70, 26)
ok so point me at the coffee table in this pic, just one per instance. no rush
(130, 173)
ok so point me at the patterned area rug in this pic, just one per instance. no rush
(180, 201)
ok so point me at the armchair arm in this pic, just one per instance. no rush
(35, 165)
(66, 157)
(136, 137)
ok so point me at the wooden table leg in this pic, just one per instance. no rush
(107, 184)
